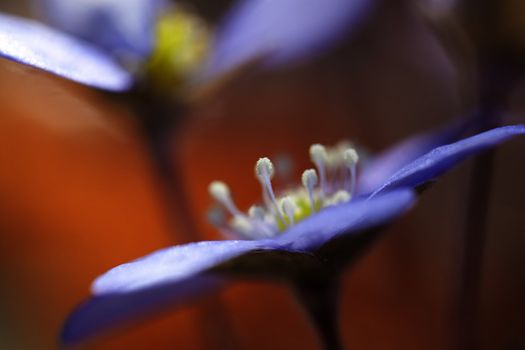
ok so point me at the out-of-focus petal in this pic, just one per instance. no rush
(120, 27)
(441, 159)
(168, 277)
(346, 219)
(36, 45)
(388, 162)
(102, 313)
(282, 31)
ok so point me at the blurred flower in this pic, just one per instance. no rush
(107, 44)
(298, 248)
(94, 37)
(277, 32)
(123, 29)
(34, 44)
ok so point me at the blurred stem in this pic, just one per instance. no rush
(162, 122)
(495, 85)
(320, 298)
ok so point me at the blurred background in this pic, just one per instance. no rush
(79, 193)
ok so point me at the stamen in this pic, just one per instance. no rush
(258, 218)
(351, 158)
(264, 171)
(334, 173)
(256, 212)
(319, 157)
(264, 168)
(242, 225)
(339, 197)
(221, 193)
(288, 206)
(309, 180)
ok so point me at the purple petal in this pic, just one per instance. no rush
(36, 45)
(441, 159)
(384, 165)
(346, 219)
(282, 30)
(100, 314)
(168, 277)
(120, 27)
(172, 264)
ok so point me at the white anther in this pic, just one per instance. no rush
(264, 171)
(221, 193)
(342, 196)
(319, 157)
(318, 153)
(309, 180)
(350, 157)
(256, 212)
(339, 197)
(288, 207)
(264, 168)
(242, 225)
(260, 224)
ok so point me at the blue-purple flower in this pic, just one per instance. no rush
(120, 28)
(88, 41)
(308, 248)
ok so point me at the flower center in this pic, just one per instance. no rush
(331, 182)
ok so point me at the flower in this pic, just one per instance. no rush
(311, 251)
(92, 38)
(95, 33)
(36, 45)
(119, 28)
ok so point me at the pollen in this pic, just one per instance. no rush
(264, 168)
(350, 156)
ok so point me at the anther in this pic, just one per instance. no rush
(309, 180)
(264, 168)
(288, 207)
(256, 212)
(264, 171)
(221, 193)
(257, 216)
(339, 197)
(242, 225)
(351, 158)
(319, 157)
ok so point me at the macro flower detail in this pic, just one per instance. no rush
(334, 185)
(307, 250)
